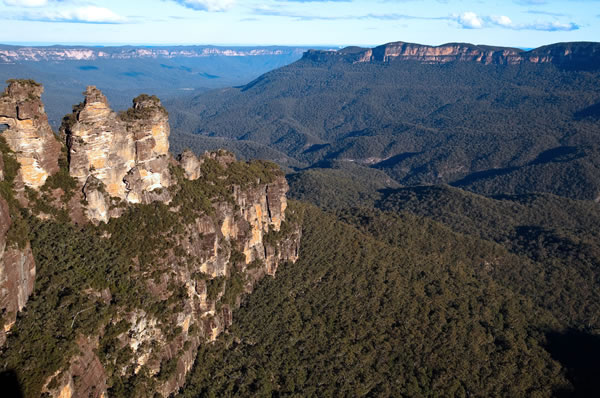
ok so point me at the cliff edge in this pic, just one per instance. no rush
(142, 256)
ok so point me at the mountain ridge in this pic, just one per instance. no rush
(495, 128)
(558, 53)
(11, 53)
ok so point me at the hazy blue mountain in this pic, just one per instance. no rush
(124, 72)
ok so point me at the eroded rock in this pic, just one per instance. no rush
(28, 133)
(128, 153)
(17, 274)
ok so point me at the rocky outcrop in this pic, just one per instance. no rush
(572, 55)
(232, 241)
(122, 156)
(17, 274)
(225, 229)
(215, 258)
(192, 165)
(28, 133)
(17, 266)
(85, 376)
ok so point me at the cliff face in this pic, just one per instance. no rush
(216, 257)
(118, 156)
(17, 268)
(28, 133)
(565, 55)
(218, 225)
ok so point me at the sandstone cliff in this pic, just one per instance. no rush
(28, 133)
(17, 267)
(118, 156)
(179, 244)
(570, 55)
(217, 255)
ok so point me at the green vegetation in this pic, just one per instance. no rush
(62, 179)
(76, 265)
(18, 233)
(492, 129)
(339, 185)
(151, 104)
(416, 314)
(46, 201)
(68, 263)
(560, 238)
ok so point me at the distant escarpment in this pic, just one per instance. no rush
(572, 55)
(491, 120)
(9, 54)
(139, 257)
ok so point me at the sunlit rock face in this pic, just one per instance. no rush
(123, 156)
(27, 132)
(118, 159)
(570, 55)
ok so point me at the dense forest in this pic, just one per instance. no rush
(450, 241)
(91, 277)
(492, 129)
(456, 251)
(384, 304)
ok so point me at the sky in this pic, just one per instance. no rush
(515, 23)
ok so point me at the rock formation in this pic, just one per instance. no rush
(28, 133)
(192, 165)
(241, 237)
(228, 230)
(17, 269)
(571, 55)
(118, 156)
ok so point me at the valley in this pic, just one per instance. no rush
(402, 220)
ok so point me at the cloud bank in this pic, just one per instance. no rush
(26, 3)
(207, 5)
(88, 14)
(470, 20)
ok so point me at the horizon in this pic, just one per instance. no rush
(333, 47)
(322, 23)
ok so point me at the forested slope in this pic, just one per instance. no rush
(488, 128)
(395, 305)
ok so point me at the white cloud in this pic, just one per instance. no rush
(470, 20)
(502, 20)
(553, 26)
(207, 5)
(88, 14)
(26, 3)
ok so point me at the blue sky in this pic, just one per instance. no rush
(522, 23)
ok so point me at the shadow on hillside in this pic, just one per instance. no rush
(482, 175)
(562, 154)
(10, 386)
(591, 112)
(394, 160)
(559, 154)
(579, 353)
